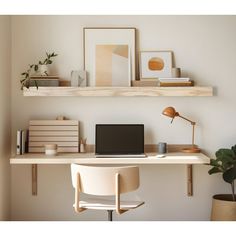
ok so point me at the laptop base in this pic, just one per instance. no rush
(120, 155)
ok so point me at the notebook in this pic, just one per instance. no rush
(119, 140)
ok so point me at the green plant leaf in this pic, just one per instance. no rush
(27, 85)
(214, 162)
(233, 148)
(36, 67)
(226, 157)
(230, 175)
(223, 153)
(214, 170)
(49, 62)
(36, 84)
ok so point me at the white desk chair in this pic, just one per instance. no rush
(104, 181)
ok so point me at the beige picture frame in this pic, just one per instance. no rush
(105, 36)
(155, 64)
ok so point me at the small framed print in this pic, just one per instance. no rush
(155, 64)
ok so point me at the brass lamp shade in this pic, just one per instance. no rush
(171, 112)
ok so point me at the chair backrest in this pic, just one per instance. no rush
(97, 180)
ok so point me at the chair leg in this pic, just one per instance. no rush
(109, 215)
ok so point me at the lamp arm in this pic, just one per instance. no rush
(193, 134)
(192, 122)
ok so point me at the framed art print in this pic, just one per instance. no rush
(109, 56)
(155, 64)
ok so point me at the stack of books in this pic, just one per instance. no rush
(175, 82)
(144, 83)
(21, 142)
(46, 81)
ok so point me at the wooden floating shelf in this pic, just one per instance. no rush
(118, 91)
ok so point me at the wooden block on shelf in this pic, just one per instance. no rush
(44, 77)
(43, 82)
(53, 139)
(64, 133)
(64, 83)
(59, 149)
(52, 133)
(54, 122)
(177, 84)
(144, 83)
(54, 127)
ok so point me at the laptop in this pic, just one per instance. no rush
(119, 140)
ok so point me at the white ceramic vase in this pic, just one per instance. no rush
(43, 70)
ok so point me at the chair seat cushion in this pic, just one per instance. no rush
(105, 204)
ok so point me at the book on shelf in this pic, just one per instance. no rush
(47, 81)
(177, 84)
(21, 142)
(64, 83)
(174, 79)
(44, 82)
(38, 77)
(145, 83)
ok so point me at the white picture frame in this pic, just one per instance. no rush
(93, 36)
(155, 64)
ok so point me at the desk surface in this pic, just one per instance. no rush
(89, 158)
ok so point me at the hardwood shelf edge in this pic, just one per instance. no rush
(205, 91)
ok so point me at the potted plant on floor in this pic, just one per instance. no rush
(224, 205)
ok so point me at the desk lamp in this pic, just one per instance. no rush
(170, 112)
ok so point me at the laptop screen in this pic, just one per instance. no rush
(119, 139)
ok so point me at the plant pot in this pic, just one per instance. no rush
(43, 70)
(223, 208)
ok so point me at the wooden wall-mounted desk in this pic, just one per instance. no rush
(89, 159)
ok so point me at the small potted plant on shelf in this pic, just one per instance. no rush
(40, 69)
(224, 205)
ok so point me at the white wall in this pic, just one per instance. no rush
(204, 47)
(5, 123)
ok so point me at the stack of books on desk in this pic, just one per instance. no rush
(46, 81)
(175, 82)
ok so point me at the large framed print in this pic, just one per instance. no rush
(109, 56)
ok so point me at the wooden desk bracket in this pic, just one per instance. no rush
(30, 158)
(190, 180)
(34, 179)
